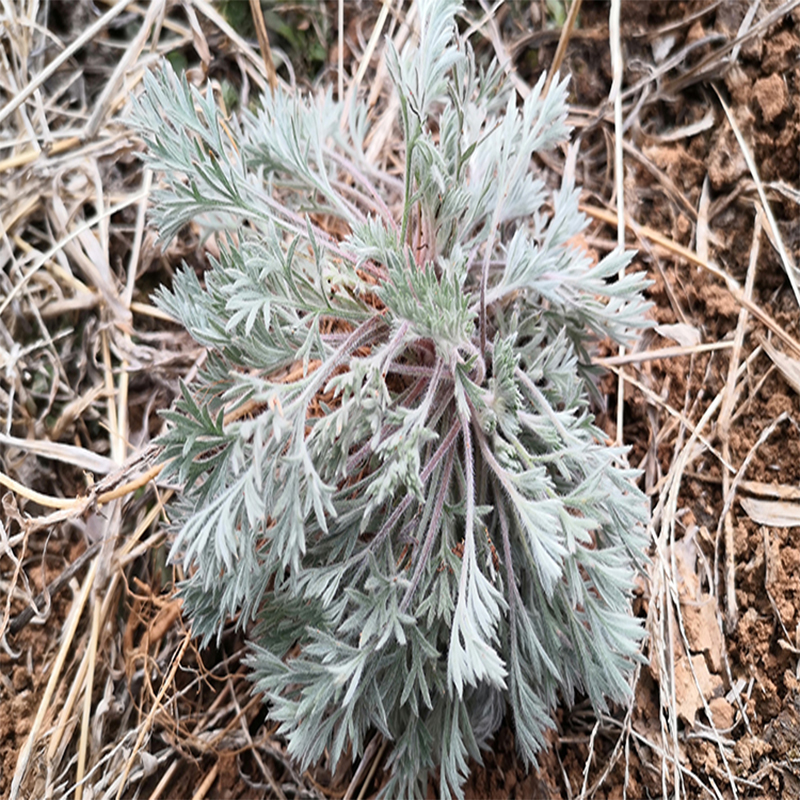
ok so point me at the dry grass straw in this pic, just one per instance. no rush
(692, 439)
(263, 43)
(619, 172)
(59, 261)
(724, 426)
(61, 285)
(716, 422)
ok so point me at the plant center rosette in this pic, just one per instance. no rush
(389, 461)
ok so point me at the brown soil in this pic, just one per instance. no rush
(736, 688)
(717, 703)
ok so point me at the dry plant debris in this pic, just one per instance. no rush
(94, 657)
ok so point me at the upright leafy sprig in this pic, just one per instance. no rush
(389, 460)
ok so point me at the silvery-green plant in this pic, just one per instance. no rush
(388, 465)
